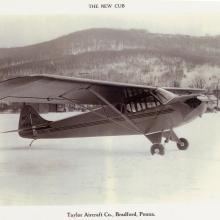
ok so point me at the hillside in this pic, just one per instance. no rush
(120, 55)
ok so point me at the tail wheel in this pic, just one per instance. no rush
(157, 149)
(183, 144)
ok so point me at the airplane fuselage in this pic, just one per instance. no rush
(106, 122)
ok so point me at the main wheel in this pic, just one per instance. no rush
(157, 149)
(183, 145)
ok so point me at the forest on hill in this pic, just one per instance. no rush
(134, 56)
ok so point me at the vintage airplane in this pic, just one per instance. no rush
(124, 109)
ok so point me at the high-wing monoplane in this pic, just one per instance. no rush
(123, 109)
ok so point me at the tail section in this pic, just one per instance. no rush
(30, 121)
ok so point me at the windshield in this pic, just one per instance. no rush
(163, 95)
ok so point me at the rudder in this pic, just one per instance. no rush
(29, 121)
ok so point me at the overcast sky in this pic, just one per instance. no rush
(24, 22)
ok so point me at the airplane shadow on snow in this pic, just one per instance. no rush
(97, 151)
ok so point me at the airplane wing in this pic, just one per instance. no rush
(184, 91)
(60, 90)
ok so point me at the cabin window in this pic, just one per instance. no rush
(139, 100)
(128, 108)
(139, 108)
(133, 109)
(143, 105)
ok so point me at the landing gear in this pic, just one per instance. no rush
(157, 149)
(182, 144)
(32, 142)
(156, 138)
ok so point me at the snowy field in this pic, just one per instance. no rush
(110, 170)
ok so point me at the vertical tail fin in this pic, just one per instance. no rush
(29, 121)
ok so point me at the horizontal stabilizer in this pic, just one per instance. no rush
(26, 129)
(11, 131)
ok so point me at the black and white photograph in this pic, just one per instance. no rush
(106, 103)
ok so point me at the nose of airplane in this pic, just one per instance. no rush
(202, 108)
(195, 112)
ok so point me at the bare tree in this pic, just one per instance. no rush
(198, 82)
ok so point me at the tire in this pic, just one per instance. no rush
(183, 145)
(157, 149)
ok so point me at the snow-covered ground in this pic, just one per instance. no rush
(109, 170)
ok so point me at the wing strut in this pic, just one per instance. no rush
(116, 110)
